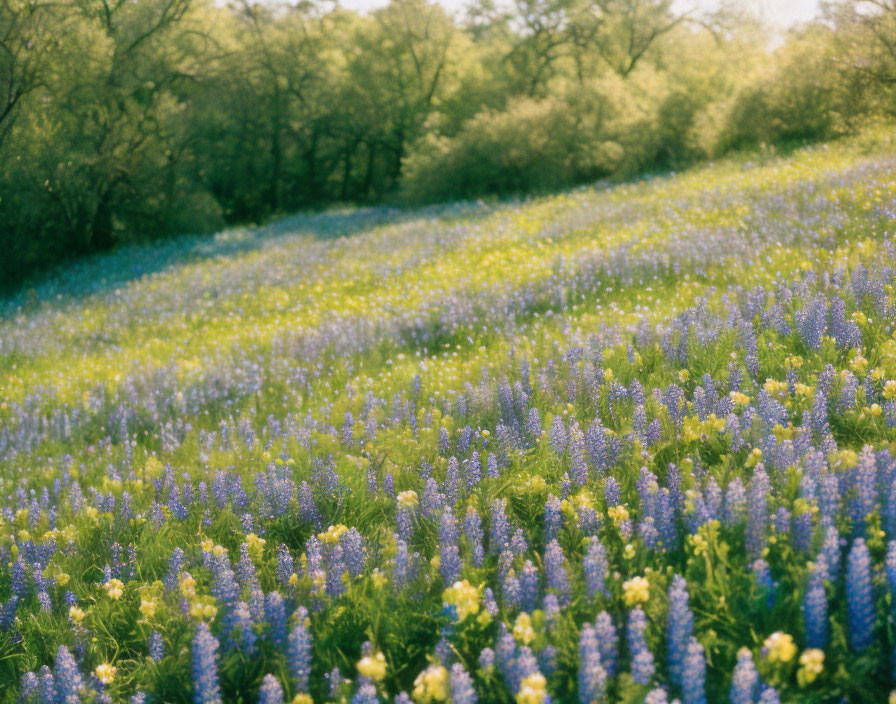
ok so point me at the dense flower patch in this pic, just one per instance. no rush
(634, 444)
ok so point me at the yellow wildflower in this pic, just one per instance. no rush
(114, 588)
(522, 629)
(779, 647)
(812, 661)
(187, 585)
(533, 689)
(105, 673)
(148, 607)
(464, 597)
(373, 666)
(636, 591)
(378, 578)
(859, 364)
(618, 514)
(431, 685)
(333, 533)
(738, 398)
(408, 498)
(890, 390)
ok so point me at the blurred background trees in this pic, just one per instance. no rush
(125, 120)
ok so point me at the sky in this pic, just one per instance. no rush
(783, 13)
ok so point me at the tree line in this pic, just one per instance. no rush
(127, 120)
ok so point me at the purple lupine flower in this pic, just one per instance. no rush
(643, 667)
(596, 447)
(811, 322)
(608, 641)
(486, 659)
(156, 646)
(224, 586)
(404, 523)
(781, 520)
(432, 501)
(462, 691)
(285, 565)
(206, 689)
(763, 575)
(769, 695)
(489, 603)
(588, 521)
(551, 607)
(275, 615)
(578, 466)
(403, 567)
(829, 497)
(595, 565)
(29, 686)
(492, 470)
(815, 612)
(592, 675)
(505, 651)
(859, 601)
(241, 628)
(528, 581)
(499, 535)
(246, 570)
(307, 506)
(890, 568)
(345, 434)
(473, 470)
(474, 535)
(354, 553)
(67, 677)
(450, 564)
(547, 660)
(336, 682)
(451, 488)
(271, 692)
(47, 691)
(802, 532)
(847, 399)
(518, 544)
(511, 591)
(648, 532)
(735, 511)
(693, 681)
(679, 629)
(557, 436)
(757, 522)
(657, 696)
(555, 571)
(553, 518)
(745, 680)
(611, 492)
(533, 425)
(366, 694)
(864, 481)
(298, 654)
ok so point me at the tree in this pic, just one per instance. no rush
(26, 44)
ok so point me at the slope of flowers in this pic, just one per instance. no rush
(633, 444)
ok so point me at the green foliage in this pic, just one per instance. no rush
(128, 121)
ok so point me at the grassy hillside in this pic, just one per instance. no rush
(639, 429)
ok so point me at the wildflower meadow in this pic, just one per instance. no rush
(631, 443)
